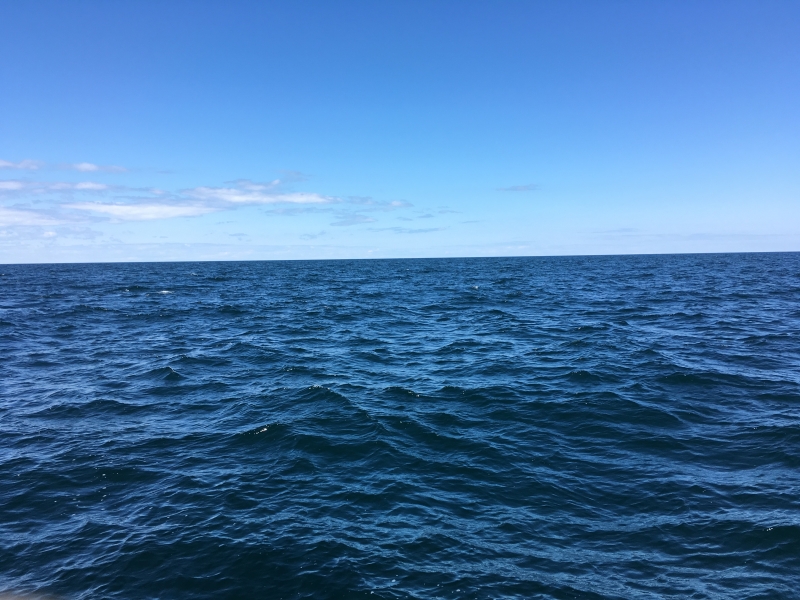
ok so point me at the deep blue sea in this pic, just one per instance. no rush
(571, 427)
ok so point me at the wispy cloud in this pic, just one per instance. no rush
(126, 203)
(11, 186)
(408, 229)
(81, 186)
(249, 192)
(71, 202)
(384, 205)
(297, 209)
(528, 187)
(87, 167)
(83, 167)
(42, 187)
(347, 219)
(418, 216)
(23, 165)
(142, 212)
(25, 218)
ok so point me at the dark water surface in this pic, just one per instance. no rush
(582, 427)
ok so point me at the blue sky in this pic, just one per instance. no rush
(256, 130)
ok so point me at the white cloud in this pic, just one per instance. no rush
(25, 218)
(123, 203)
(83, 167)
(11, 185)
(90, 185)
(38, 187)
(383, 205)
(87, 167)
(142, 212)
(247, 192)
(25, 165)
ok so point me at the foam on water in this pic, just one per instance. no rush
(607, 427)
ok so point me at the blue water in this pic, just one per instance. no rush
(576, 427)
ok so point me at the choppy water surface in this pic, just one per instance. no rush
(606, 427)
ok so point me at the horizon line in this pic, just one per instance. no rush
(254, 260)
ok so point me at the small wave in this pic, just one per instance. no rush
(401, 391)
(102, 406)
(702, 378)
(584, 376)
(165, 373)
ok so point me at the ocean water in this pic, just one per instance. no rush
(575, 427)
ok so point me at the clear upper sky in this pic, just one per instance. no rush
(243, 130)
